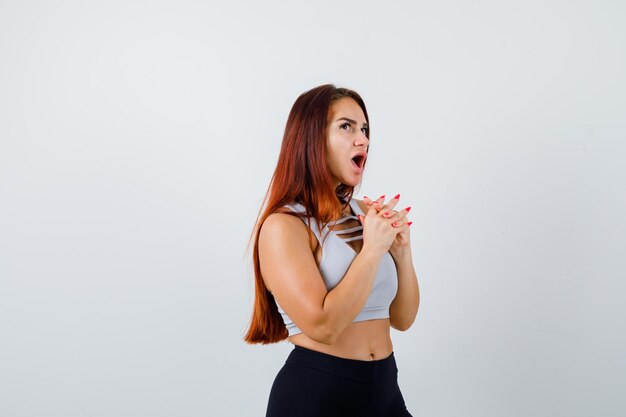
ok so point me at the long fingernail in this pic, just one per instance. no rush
(397, 197)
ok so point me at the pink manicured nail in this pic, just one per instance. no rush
(386, 213)
(397, 197)
(394, 223)
(408, 208)
(409, 223)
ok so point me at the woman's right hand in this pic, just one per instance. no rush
(378, 233)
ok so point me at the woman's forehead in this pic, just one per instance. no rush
(346, 107)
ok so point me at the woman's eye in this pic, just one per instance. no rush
(364, 130)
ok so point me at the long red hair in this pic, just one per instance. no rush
(302, 176)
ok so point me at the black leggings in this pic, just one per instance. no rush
(316, 384)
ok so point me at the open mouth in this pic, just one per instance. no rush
(358, 161)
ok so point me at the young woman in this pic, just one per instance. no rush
(332, 273)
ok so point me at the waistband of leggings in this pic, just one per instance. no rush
(364, 371)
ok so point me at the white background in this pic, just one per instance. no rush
(137, 140)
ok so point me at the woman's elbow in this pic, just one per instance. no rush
(320, 332)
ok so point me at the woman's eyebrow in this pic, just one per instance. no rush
(352, 121)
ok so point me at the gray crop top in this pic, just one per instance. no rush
(336, 259)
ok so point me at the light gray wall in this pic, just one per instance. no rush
(137, 140)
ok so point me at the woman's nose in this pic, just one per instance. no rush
(361, 139)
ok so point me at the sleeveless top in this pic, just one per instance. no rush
(337, 256)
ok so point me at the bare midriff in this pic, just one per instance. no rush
(364, 340)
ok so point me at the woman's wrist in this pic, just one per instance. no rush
(401, 254)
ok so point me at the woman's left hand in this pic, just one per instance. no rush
(402, 242)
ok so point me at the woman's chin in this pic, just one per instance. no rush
(352, 181)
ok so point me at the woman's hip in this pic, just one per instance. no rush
(313, 383)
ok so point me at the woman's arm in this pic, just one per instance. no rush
(403, 309)
(291, 274)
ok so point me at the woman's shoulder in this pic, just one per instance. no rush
(288, 214)
(289, 225)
